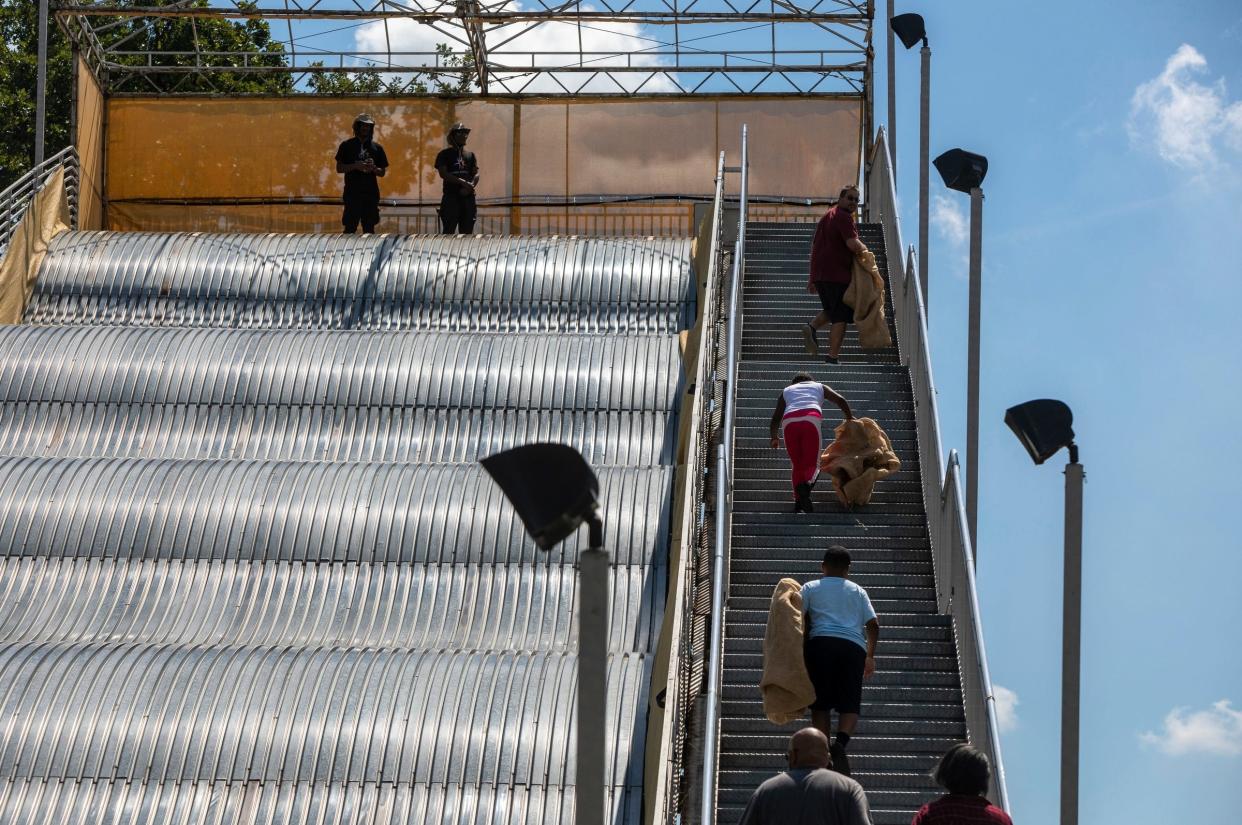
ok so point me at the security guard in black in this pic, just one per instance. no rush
(363, 162)
(459, 170)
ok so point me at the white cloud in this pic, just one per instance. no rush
(550, 44)
(1216, 731)
(1006, 707)
(1182, 118)
(949, 218)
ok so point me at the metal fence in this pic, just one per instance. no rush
(677, 782)
(953, 553)
(17, 197)
(724, 506)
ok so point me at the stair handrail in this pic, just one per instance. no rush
(17, 196)
(691, 579)
(724, 504)
(952, 550)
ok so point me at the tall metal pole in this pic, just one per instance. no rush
(41, 85)
(724, 487)
(892, 95)
(972, 368)
(1071, 633)
(924, 163)
(592, 679)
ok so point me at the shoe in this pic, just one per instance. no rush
(840, 762)
(808, 339)
(832, 359)
(802, 495)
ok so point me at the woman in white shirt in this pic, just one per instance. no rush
(798, 414)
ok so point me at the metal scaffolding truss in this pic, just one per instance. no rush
(505, 47)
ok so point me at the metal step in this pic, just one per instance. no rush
(912, 707)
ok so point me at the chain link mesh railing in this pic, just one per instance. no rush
(15, 200)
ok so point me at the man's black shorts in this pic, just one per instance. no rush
(457, 213)
(835, 666)
(360, 211)
(832, 297)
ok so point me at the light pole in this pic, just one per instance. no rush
(964, 172)
(911, 29)
(892, 95)
(553, 490)
(41, 85)
(1044, 427)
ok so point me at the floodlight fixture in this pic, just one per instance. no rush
(552, 488)
(1043, 426)
(553, 491)
(961, 170)
(910, 28)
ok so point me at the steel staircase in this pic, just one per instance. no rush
(912, 708)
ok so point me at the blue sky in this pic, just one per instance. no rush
(1113, 281)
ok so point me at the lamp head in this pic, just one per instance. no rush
(1043, 426)
(910, 28)
(550, 486)
(961, 170)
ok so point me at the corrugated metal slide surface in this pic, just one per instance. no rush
(250, 569)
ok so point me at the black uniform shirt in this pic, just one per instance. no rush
(359, 186)
(457, 163)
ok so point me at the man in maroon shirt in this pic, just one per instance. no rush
(833, 251)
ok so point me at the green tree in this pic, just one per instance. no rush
(370, 82)
(175, 37)
(173, 41)
(19, 21)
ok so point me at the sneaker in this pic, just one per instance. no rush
(840, 762)
(808, 340)
(832, 359)
(802, 495)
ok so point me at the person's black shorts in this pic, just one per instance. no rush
(835, 666)
(364, 212)
(457, 213)
(832, 297)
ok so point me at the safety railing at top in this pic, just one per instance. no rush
(692, 693)
(692, 577)
(952, 551)
(15, 200)
(724, 508)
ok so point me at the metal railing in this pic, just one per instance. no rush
(724, 508)
(692, 578)
(952, 551)
(692, 712)
(16, 199)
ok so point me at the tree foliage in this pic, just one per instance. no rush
(19, 58)
(19, 32)
(371, 82)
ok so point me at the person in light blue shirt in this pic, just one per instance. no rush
(839, 631)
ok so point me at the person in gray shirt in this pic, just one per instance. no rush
(808, 793)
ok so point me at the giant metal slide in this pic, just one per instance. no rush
(252, 571)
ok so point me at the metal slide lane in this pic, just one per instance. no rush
(912, 708)
(249, 570)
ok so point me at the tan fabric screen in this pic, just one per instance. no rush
(89, 120)
(184, 163)
(47, 215)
